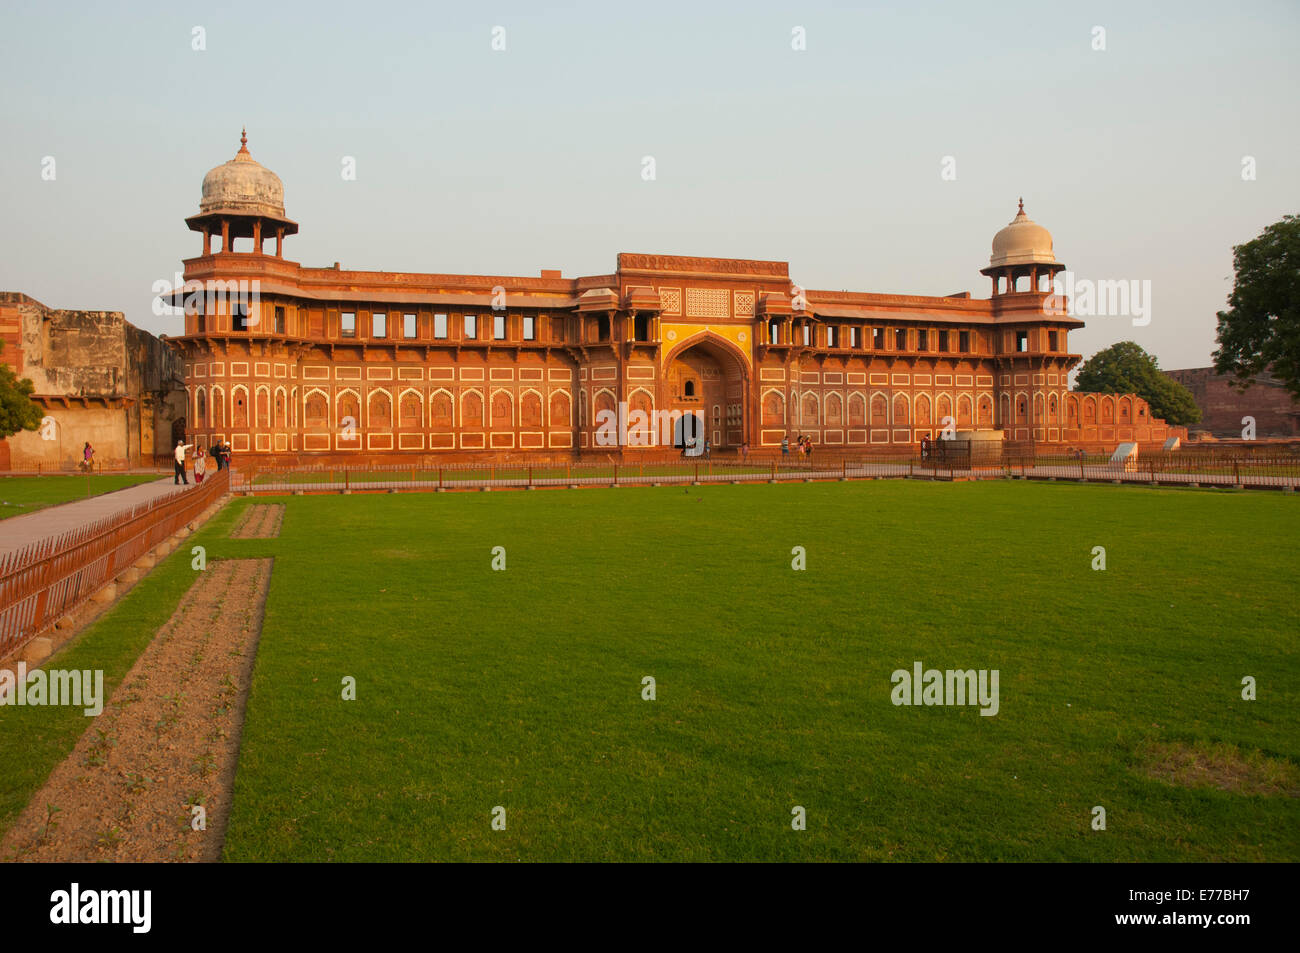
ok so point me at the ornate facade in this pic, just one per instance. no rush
(290, 362)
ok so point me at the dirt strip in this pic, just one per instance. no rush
(260, 521)
(167, 741)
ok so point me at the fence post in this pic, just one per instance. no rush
(616, 474)
(1236, 476)
(697, 473)
(530, 474)
(440, 476)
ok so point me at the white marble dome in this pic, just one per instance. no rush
(243, 186)
(1022, 242)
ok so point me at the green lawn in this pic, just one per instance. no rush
(20, 495)
(522, 688)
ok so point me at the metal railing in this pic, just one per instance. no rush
(75, 467)
(946, 460)
(45, 580)
(1178, 468)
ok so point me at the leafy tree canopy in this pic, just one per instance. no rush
(17, 412)
(1260, 331)
(1125, 368)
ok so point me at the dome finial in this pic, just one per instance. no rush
(243, 141)
(1022, 205)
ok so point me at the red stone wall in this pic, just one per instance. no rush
(1223, 407)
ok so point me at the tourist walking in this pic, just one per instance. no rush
(785, 445)
(200, 465)
(214, 452)
(88, 457)
(180, 476)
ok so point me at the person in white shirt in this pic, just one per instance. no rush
(181, 447)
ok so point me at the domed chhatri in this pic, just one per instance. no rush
(1023, 248)
(243, 185)
(1022, 242)
(242, 199)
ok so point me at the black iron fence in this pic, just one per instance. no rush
(944, 460)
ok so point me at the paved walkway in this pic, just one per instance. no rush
(19, 531)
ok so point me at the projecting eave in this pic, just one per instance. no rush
(241, 217)
(176, 297)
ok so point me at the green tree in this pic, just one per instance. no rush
(1261, 328)
(1125, 368)
(17, 412)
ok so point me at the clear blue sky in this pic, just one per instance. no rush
(505, 162)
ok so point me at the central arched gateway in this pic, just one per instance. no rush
(707, 379)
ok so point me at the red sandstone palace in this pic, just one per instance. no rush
(300, 363)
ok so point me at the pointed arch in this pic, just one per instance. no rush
(879, 409)
(902, 410)
(218, 406)
(773, 404)
(379, 409)
(239, 406)
(857, 409)
(834, 410)
(263, 398)
(943, 411)
(471, 408)
(503, 409)
(410, 409)
(442, 408)
(530, 408)
(316, 413)
(347, 409)
(922, 410)
(810, 413)
(561, 409)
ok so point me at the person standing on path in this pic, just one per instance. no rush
(88, 457)
(200, 466)
(180, 476)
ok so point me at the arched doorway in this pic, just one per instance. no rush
(706, 382)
